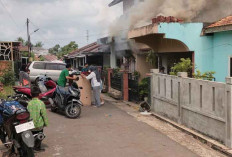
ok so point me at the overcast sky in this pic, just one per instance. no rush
(59, 21)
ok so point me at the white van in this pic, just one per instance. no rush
(51, 69)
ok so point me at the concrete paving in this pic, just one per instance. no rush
(107, 132)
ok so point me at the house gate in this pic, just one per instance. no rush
(133, 84)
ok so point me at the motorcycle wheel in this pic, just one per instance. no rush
(23, 101)
(26, 151)
(53, 109)
(73, 110)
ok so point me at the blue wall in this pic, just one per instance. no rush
(222, 45)
(190, 35)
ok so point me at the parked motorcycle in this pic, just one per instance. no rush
(46, 85)
(67, 100)
(16, 127)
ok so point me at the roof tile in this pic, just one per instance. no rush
(223, 22)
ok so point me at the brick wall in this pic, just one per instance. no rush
(4, 65)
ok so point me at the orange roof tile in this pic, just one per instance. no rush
(223, 22)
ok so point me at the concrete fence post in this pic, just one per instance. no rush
(228, 110)
(181, 75)
(110, 72)
(152, 89)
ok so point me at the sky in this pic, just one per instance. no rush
(59, 21)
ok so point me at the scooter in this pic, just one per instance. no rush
(67, 100)
(46, 85)
(15, 128)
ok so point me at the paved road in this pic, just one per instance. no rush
(107, 132)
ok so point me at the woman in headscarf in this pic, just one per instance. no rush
(95, 83)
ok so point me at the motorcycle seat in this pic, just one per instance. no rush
(63, 90)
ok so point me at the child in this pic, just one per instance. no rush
(38, 113)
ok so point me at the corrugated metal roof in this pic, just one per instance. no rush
(114, 2)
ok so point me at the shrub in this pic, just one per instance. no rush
(8, 78)
(185, 65)
(144, 88)
(205, 76)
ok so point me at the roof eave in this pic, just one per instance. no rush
(114, 2)
(218, 29)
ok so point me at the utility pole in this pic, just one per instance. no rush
(87, 36)
(28, 40)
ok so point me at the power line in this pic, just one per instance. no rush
(4, 6)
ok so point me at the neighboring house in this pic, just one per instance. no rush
(91, 54)
(40, 51)
(48, 57)
(24, 52)
(10, 55)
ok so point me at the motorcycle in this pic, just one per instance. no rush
(46, 85)
(67, 100)
(16, 127)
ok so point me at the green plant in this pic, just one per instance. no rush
(8, 78)
(116, 70)
(185, 65)
(205, 76)
(144, 88)
(7, 90)
(136, 74)
(151, 58)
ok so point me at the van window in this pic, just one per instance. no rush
(61, 66)
(39, 65)
(51, 66)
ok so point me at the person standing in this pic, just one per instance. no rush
(38, 113)
(86, 68)
(64, 76)
(24, 78)
(95, 78)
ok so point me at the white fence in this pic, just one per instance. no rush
(204, 106)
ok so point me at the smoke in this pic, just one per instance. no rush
(188, 10)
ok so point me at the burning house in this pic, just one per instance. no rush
(173, 38)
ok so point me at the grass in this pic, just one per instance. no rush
(7, 90)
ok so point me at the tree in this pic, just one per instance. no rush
(54, 50)
(20, 39)
(61, 51)
(39, 44)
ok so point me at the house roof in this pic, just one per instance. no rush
(50, 57)
(224, 24)
(114, 2)
(23, 48)
(91, 48)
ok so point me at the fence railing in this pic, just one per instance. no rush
(133, 85)
(116, 81)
